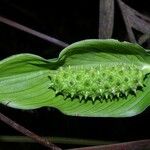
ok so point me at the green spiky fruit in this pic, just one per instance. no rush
(98, 81)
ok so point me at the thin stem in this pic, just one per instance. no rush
(28, 133)
(33, 32)
(106, 18)
(143, 38)
(60, 140)
(127, 21)
(134, 145)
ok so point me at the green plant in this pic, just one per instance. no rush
(72, 82)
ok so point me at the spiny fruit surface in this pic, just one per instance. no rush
(97, 81)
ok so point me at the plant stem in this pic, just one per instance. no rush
(106, 18)
(60, 140)
(28, 133)
(33, 32)
(134, 145)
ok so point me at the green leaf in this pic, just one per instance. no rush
(25, 79)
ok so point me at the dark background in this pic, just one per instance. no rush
(69, 21)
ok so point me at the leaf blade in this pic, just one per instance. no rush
(24, 79)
